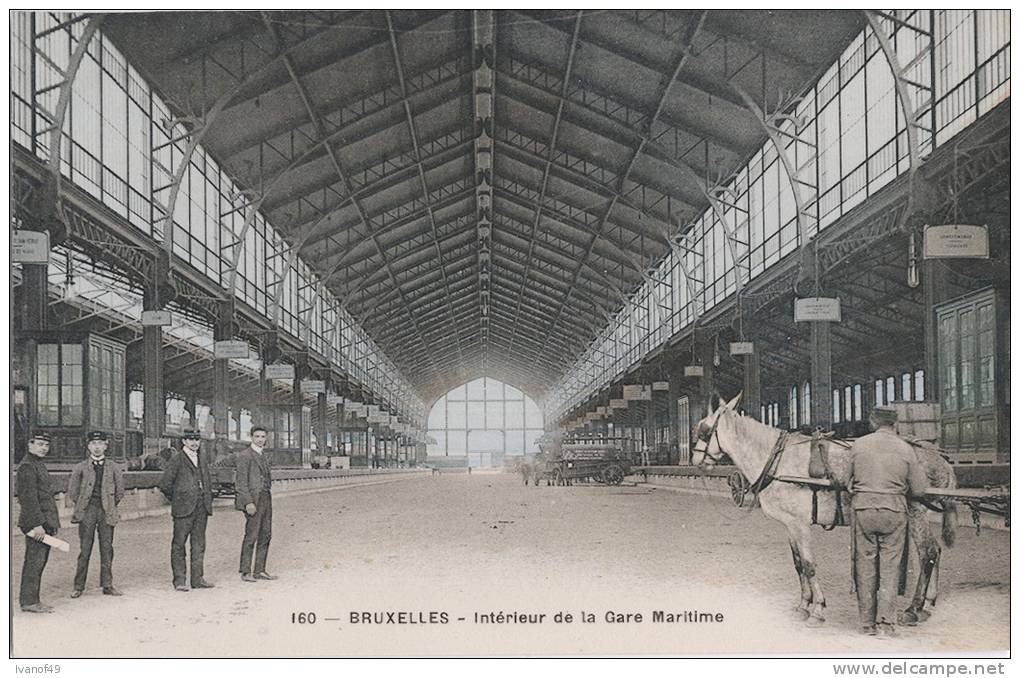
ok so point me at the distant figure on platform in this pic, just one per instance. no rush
(252, 480)
(38, 518)
(95, 489)
(885, 471)
(187, 484)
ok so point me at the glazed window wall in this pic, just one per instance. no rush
(484, 415)
(119, 146)
(854, 120)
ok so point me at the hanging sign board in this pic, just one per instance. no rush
(694, 371)
(279, 371)
(372, 410)
(741, 348)
(313, 386)
(660, 385)
(637, 392)
(357, 409)
(618, 404)
(378, 419)
(956, 240)
(156, 318)
(816, 309)
(333, 399)
(230, 349)
(30, 247)
(600, 410)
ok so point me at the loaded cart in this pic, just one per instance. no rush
(589, 462)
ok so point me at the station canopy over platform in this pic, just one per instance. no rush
(482, 189)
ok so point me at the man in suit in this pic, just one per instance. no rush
(38, 518)
(95, 489)
(252, 479)
(187, 484)
(885, 472)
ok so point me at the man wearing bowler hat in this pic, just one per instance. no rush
(187, 484)
(95, 489)
(38, 518)
(885, 470)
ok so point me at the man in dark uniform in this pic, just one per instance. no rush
(885, 470)
(38, 518)
(95, 489)
(252, 480)
(187, 484)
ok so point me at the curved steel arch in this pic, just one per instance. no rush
(64, 101)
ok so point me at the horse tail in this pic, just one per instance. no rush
(949, 516)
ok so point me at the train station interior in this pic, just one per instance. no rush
(416, 242)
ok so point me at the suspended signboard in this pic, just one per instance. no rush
(741, 348)
(812, 309)
(156, 318)
(30, 247)
(694, 371)
(618, 403)
(357, 410)
(956, 241)
(230, 349)
(600, 410)
(637, 392)
(372, 410)
(660, 385)
(279, 371)
(378, 419)
(313, 386)
(333, 399)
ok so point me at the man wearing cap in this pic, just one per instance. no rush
(38, 518)
(885, 470)
(187, 484)
(252, 481)
(95, 489)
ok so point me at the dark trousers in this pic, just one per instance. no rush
(94, 521)
(258, 529)
(189, 527)
(36, 555)
(879, 535)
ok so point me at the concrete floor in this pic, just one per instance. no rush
(455, 546)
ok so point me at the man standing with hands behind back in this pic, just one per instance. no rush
(252, 479)
(37, 519)
(187, 484)
(95, 489)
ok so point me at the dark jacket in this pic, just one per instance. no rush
(251, 475)
(83, 479)
(35, 495)
(180, 484)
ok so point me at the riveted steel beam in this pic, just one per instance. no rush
(684, 51)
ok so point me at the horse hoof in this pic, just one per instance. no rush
(815, 622)
(907, 618)
(800, 614)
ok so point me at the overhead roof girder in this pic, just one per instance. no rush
(449, 195)
(380, 173)
(683, 53)
(588, 174)
(521, 195)
(349, 112)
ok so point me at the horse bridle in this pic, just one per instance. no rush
(706, 437)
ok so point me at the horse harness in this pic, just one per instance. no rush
(768, 474)
(768, 471)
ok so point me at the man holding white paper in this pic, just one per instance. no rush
(38, 518)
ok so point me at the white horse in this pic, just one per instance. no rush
(752, 445)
